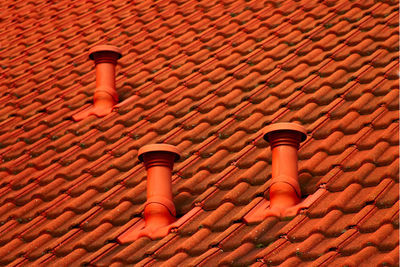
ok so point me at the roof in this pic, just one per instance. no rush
(206, 76)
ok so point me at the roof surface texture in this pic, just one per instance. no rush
(206, 76)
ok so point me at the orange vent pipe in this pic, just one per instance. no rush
(284, 192)
(159, 159)
(284, 139)
(105, 95)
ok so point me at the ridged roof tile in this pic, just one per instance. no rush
(206, 76)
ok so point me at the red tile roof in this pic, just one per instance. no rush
(206, 76)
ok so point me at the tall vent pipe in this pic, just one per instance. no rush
(159, 209)
(285, 139)
(284, 191)
(105, 95)
(159, 160)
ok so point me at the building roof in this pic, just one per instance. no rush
(206, 76)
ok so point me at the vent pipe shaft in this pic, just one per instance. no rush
(105, 93)
(284, 139)
(159, 159)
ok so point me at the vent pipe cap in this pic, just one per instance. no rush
(159, 148)
(105, 48)
(285, 127)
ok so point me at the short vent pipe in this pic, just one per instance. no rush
(105, 95)
(284, 139)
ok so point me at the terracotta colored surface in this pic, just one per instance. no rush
(105, 94)
(208, 77)
(284, 140)
(284, 193)
(159, 210)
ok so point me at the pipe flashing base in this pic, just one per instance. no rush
(139, 229)
(263, 209)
